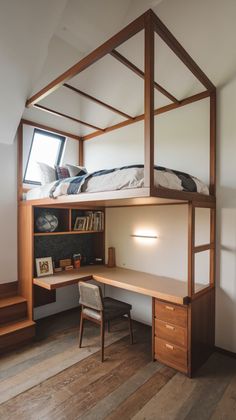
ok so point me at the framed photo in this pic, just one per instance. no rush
(44, 266)
(80, 223)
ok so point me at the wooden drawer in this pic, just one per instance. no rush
(171, 355)
(171, 313)
(171, 333)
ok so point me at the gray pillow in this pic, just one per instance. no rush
(47, 173)
(75, 170)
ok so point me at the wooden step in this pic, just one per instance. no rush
(12, 309)
(15, 333)
(8, 289)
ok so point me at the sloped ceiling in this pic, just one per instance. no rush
(76, 27)
(26, 27)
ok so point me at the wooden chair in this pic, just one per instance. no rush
(100, 310)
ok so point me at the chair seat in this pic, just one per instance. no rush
(114, 308)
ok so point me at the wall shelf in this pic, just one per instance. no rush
(71, 232)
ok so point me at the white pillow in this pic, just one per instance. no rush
(47, 173)
(75, 170)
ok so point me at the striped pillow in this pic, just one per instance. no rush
(62, 172)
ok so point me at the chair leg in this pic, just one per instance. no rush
(102, 340)
(81, 328)
(130, 328)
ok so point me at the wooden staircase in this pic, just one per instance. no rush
(15, 326)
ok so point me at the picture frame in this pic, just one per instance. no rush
(44, 266)
(80, 223)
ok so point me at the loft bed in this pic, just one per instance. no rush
(195, 315)
(153, 194)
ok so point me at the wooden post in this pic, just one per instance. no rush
(213, 142)
(213, 249)
(149, 103)
(81, 152)
(191, 243)
(19, 162)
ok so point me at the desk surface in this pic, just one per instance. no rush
(147, 284)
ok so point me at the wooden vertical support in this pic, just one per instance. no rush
(213, 241)
(149, 103)
(191, 243)
(26, 254)
(213, 142)
(81, 152)
(20, 162)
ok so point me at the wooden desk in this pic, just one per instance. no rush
(177, 321)
(159, 287)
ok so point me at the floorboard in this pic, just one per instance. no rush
(128, 385)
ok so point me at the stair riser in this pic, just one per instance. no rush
(8, 289)
(12, 340)
(13, 313)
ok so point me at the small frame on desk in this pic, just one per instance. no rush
(44, 266)
(80, 223)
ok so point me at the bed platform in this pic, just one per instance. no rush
(192, 315)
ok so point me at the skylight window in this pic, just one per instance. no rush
(46, 147)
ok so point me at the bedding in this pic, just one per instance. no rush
(119, 178)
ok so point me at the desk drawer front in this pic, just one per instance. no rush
(171, 354)
(170, 332)
(171, 313)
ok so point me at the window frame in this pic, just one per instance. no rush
(59, 156)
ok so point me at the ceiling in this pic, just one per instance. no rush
(40, 40)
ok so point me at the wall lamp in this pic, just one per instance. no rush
(144, 236)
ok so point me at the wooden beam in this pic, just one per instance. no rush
(157, 111)
(81, 152)
(202, 248)
(191, 257)
(213, 250)
(149, 104)
(177, 48)
(19, 162)
(60, 114)
(122, 36)
(98, 101)
(53, 130)
(213, 142)
(140, 73)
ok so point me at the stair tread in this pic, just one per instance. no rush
(9, 301)
(14, 326)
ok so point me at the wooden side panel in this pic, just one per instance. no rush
(25, 255)
(202, 313)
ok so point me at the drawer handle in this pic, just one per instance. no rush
(170, 327)
(168, 346)
(170, 308)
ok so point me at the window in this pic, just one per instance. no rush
(46, 147)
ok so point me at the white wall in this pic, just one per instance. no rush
(181, 142)
(166, 255)
(8, 214)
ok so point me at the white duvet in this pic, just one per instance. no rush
(118, 180)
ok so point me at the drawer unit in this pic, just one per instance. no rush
(171, 354)
(171, 313)
(170, 332)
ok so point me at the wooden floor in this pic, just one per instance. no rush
(128, 385)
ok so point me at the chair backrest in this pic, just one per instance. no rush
(90, 296)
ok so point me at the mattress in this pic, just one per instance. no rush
(118, 179)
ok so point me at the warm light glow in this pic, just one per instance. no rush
(145, 236)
